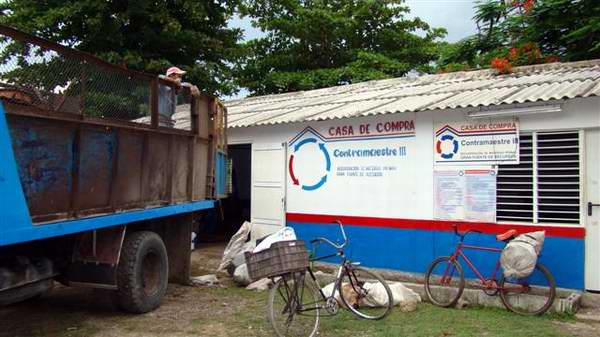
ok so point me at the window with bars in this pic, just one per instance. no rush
(545, 186)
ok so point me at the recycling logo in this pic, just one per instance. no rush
(301, 146)
(447, 146)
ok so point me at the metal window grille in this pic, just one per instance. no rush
(515, 188)
(545, 186)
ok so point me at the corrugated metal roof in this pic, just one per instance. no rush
(544, 82)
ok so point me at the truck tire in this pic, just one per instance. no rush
(142, 273)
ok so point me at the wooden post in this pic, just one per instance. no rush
(154, 93)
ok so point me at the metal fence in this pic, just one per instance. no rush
(52, 77)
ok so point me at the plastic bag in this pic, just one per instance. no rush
(193, 241)
(235, 245)
(519, 257)
(284, 234)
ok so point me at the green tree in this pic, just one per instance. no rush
(525, 31)
(140, 34)
(321, 43)
(566, 28)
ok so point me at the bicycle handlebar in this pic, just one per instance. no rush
(343, 232)
(463, 234)
(337, 246)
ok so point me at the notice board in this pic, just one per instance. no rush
(465, 194)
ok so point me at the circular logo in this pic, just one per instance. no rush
(310, 186)
(447, 146)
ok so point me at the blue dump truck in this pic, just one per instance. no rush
(104, 173)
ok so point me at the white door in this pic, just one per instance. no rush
(592, 235)
(267, 210)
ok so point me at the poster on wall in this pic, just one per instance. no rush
(486, 141)
(353, 166)
(465, 194)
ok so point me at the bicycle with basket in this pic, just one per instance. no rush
(296, 301)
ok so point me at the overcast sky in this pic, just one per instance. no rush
(454, 15)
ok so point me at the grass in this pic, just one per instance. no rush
(235, 312)
(429, 320)
(426, 321)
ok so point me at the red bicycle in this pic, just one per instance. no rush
(445, 280)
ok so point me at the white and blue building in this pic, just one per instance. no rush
(377, 156)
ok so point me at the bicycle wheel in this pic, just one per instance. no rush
(293, 308)
(516, 293)
(365, 293)
(444, 281)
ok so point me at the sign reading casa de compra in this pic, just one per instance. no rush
(494, 141)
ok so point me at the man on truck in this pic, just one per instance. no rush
(167, 100)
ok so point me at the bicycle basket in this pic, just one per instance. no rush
(281, 258)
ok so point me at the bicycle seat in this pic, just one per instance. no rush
(506, 235)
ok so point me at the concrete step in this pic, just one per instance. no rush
(567, 300)
(589, 315)
(590, 300)
(476, 297)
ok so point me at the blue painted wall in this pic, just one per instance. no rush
(411, 250)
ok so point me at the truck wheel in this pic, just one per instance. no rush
(142, 273)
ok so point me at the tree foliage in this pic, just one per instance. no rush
(140, 34)
(527, 32)
(321, 43)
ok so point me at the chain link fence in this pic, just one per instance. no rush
(51, 77)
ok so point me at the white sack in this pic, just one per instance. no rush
(328, 289)
(240, 258)
(205, 280)
(241, 276)
(260, 285)
(402, 296)
(284, 234)
(235, 245)
(519, 257)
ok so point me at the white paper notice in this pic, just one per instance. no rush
(480, 195)
(449, 187)
(465, 194)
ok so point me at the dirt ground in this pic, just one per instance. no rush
(186, 311)
(77, 312)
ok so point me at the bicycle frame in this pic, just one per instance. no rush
(338, 277)
(459, 252)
